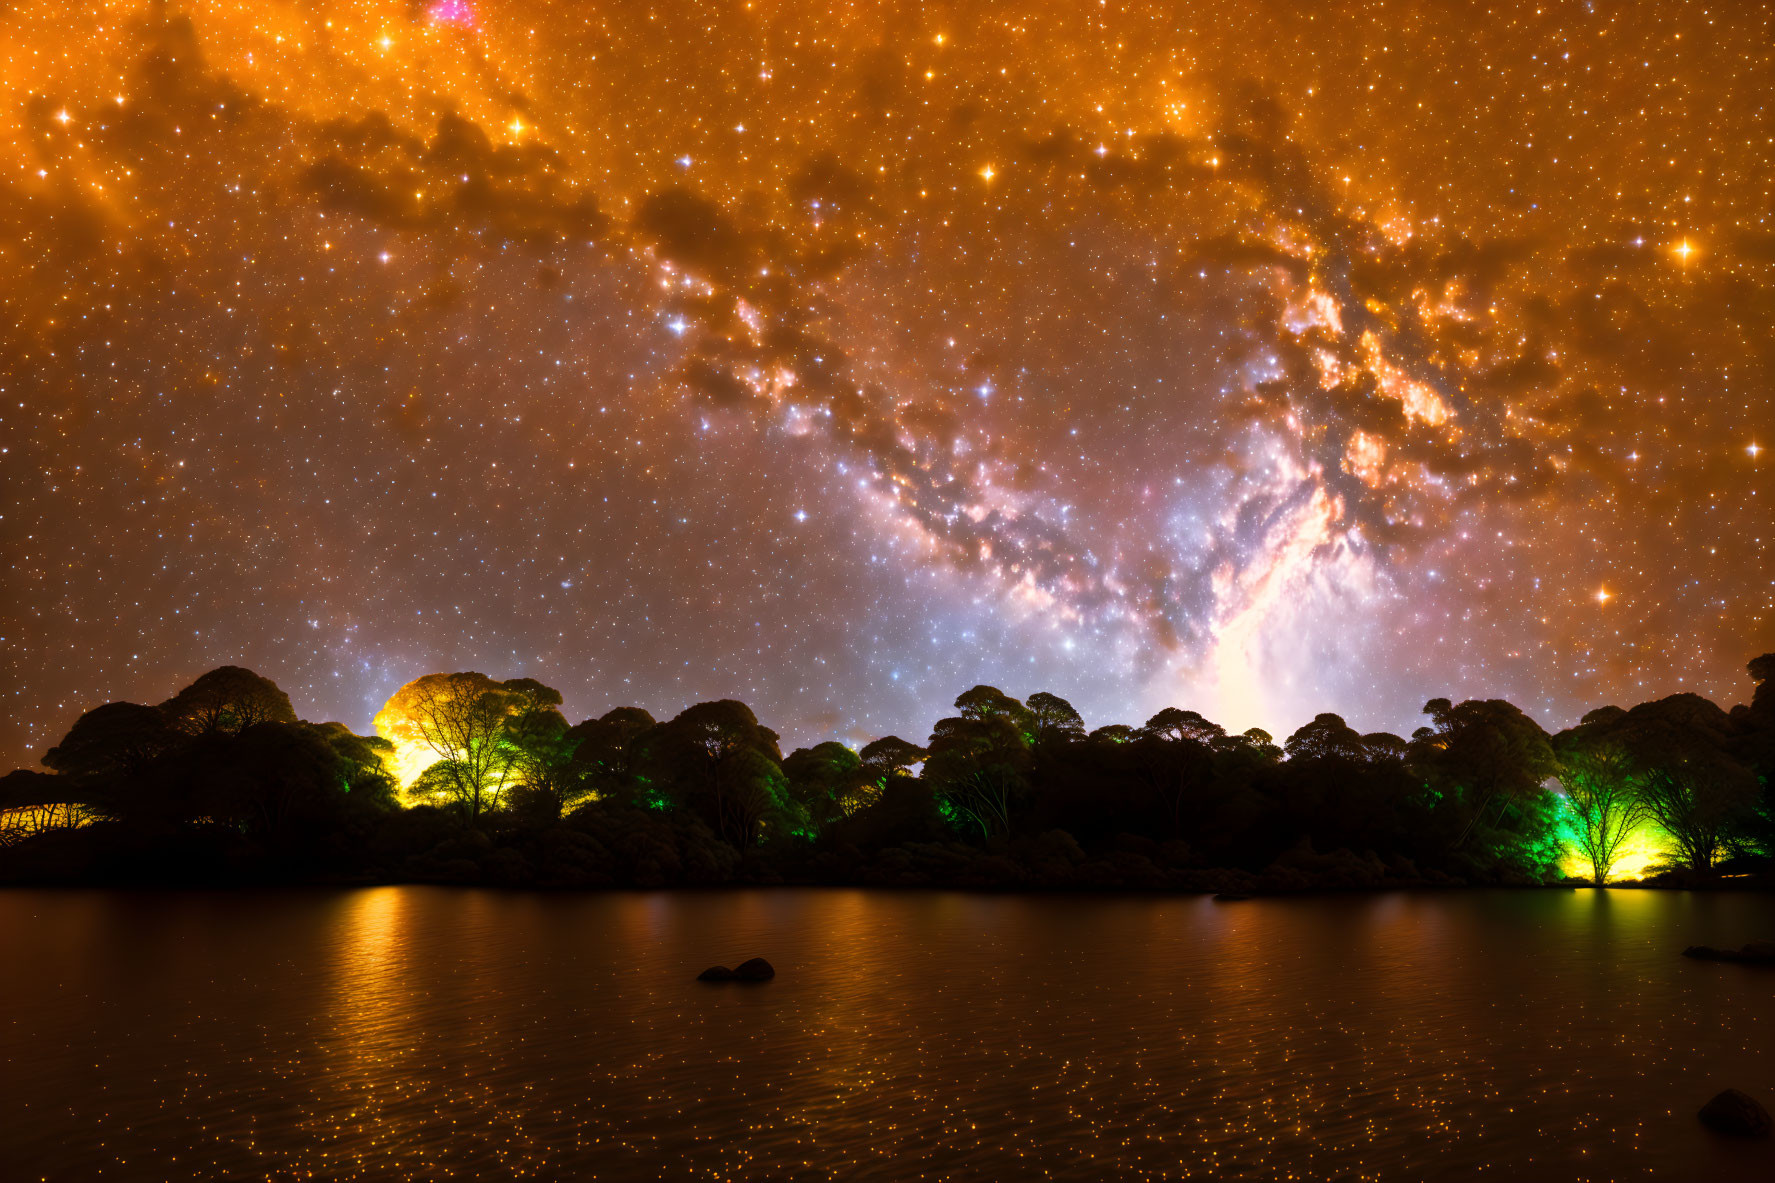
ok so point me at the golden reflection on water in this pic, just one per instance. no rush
(361, 1075)
(368, 978)
(421, 1033)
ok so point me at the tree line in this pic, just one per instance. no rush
(470, 779)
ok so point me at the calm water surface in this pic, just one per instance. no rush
(425, 1033)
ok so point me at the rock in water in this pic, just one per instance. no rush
(1732, 1112)
(755, 970)
(1755, 953)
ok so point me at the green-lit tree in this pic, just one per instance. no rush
(978, 763)
(1604, 792)
(539, 747)
(363, 763)
(604, 755)
(717, 759)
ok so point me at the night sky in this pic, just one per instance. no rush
(1257, 358)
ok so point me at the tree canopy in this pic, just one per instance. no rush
(474, 779)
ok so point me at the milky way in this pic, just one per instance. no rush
(839, 358)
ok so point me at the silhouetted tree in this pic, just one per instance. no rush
(285, 784)
(1176, 761)
(229, 700)
(1326, 737)
(718, 759)
(1758, 745)
(604, 752)
(1689, 782)
(1053, 721)
(979, 761)
(117, 739)
(827, 780)
(536, 740)
(1382, 747)
(1254, 744)
(505, 792)
(887, 758)
(1175, 724)
(1338, 790)
(989, 702)
(1492, 762)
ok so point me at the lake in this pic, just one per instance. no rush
(413, 1032)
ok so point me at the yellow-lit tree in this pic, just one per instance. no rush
(460, 736)
(1604, 801)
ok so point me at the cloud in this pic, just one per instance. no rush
(459, 181)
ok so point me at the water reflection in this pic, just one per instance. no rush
(419, 1033)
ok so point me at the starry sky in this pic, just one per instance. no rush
(1246, 356)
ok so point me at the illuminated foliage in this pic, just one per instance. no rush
(1260, 362)
(461, 737)
(32, 803)
(1005, 792)
(1603, 792)
(978, 763)
(364, 761)
(604, 753)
